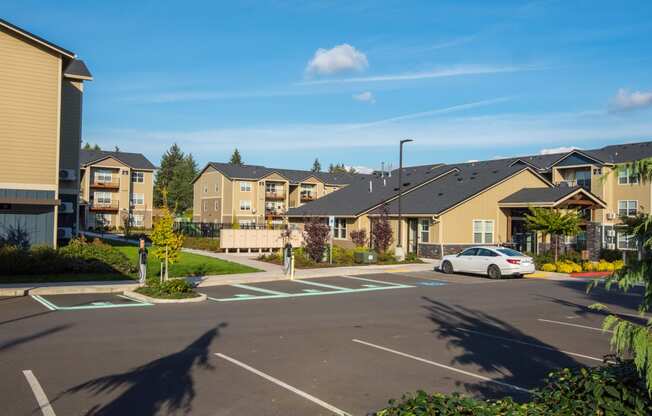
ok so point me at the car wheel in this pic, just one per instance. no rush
(447, 267)
(494, 272)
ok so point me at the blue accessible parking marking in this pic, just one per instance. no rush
(431, 283)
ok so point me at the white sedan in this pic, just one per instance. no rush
(491, 261)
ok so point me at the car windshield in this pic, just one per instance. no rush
(510, 252)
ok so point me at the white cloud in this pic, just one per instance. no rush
(366, 96)
(554, 150)
(625, 100)
(454, 71)
(340, 58)
(361, 169)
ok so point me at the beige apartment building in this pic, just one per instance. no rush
(41, 96)
(250, 195)
(116, 187)
(446, 208)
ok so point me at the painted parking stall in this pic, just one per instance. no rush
(87, 301)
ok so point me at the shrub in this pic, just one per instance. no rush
(571, 256)
(169, 289)
(610, 255)
(541, 259)
(359, 237)
(202, 243)
(605, 266)
(588, 266)
(174, 286)
(342, 255)
(386, 257)
(411, 257)
(381, 231)
(618, 264)
(563, 267)
(315, 235)
(549, 267)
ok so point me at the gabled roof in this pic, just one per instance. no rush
(133, 160)
(37, 39)
(579, 153)
(293, 176)
(550, 197)
(77, 69)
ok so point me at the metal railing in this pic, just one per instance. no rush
(212, 229)
(99, 183)
(105, 206)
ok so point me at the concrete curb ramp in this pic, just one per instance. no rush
(143, 298)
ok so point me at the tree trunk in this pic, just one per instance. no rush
(166, 263)
(556, 247)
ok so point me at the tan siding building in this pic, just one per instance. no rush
(41, 88)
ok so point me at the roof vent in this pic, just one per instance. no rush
(460, 179)
(406, 183)
(371, 186)
(396, 189)
(495, 171)
(440, 194)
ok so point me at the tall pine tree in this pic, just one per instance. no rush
(170, 160)
(180, 190)
(236, 159)
(316, 166)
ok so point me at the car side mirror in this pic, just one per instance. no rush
(458, 254)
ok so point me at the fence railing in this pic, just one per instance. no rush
(212, 229)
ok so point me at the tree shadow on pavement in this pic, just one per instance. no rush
(6, 346)
(495, 349)
(163, 385)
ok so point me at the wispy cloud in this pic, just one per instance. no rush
(181, 96)
(365, 97)
(626, 100)
(555, 150)
(455, 71)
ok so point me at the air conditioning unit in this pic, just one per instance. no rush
(611, 233)
(66, 208)
(67, 174)
(64, 233)
(611, 246)
(611, 216)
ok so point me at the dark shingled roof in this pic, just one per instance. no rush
(531, 195)
(38, 38)
(133, 160)
(255, 172)
(77, 69)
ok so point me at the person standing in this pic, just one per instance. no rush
(142, 261)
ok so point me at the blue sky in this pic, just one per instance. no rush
(286, 81)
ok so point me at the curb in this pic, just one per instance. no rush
(63, 288)
(143, 298)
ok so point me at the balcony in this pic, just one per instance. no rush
(307, 197)
(105, 184)
(274, 212)
(105, 206)
(275, 195)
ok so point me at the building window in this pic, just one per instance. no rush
(205, 189)
(216, 188)
(245, 223)
(102, 197)
(339, 230)
(217, 205)
(483, 231)
(138, 177)
(102, 219)
(138, 220)
(627, 208)
(424, 230)
(626, 242)
(626, 176)
(245, 186)
(245, 205)
(205, 206)
(103, 176)
(137, 199)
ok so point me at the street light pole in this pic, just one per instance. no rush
(399, 245)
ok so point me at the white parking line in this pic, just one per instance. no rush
(259, 289)
(375, 281)
(305, 282)
(285, 386)
(436, 364)
(39, 394)
(575, 325)
(543, 347)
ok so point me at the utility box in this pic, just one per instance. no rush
(365, 257)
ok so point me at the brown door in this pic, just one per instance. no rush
(413, 228)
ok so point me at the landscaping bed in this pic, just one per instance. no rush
(171, 289)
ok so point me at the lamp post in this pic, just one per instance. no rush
(400, 254)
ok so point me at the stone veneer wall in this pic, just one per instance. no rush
(593, 240)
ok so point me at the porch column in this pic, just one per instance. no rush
(593, 241)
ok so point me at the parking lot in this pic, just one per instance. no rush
(336, 345)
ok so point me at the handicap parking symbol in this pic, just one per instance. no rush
(431, 283)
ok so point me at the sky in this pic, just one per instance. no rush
(288, 81)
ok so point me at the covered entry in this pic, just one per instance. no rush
(517, 205)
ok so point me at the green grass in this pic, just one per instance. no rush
(188, 264)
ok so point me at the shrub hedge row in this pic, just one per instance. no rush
(587, 266)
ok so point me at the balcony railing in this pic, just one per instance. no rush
(98, 183)
(274, 212)
(307, 197)
(274, 195)
(105, 206)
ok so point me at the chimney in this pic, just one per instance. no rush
(371, 187)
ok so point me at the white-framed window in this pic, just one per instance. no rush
(216, 188)
(100, 197)
(339, 229)
(245, 205)
(137, 199)
(205, 206)
(102, 219)
(245, 223)
(138, 177)
(627, 177)
(424, 230)
(626, 242)
(217, 205)
(138, 220)
(483, 231)
(627, 208)
(245, 186)
(103, 175)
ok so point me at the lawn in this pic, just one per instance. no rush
(188, 265)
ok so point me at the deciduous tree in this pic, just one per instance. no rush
(315, 236)
(553, 222)
(166, 243)
(381, 231)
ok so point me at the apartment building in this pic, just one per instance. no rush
(446, 208)
(116, 187)
(249, 194)
(41, 96)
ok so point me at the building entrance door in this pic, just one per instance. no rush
(413, 232)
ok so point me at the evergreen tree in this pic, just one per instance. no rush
(316, 166)
(236, 159)
(88, 146)
(116, 149)
(170, 160)
(180, 194)
(338, 168)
